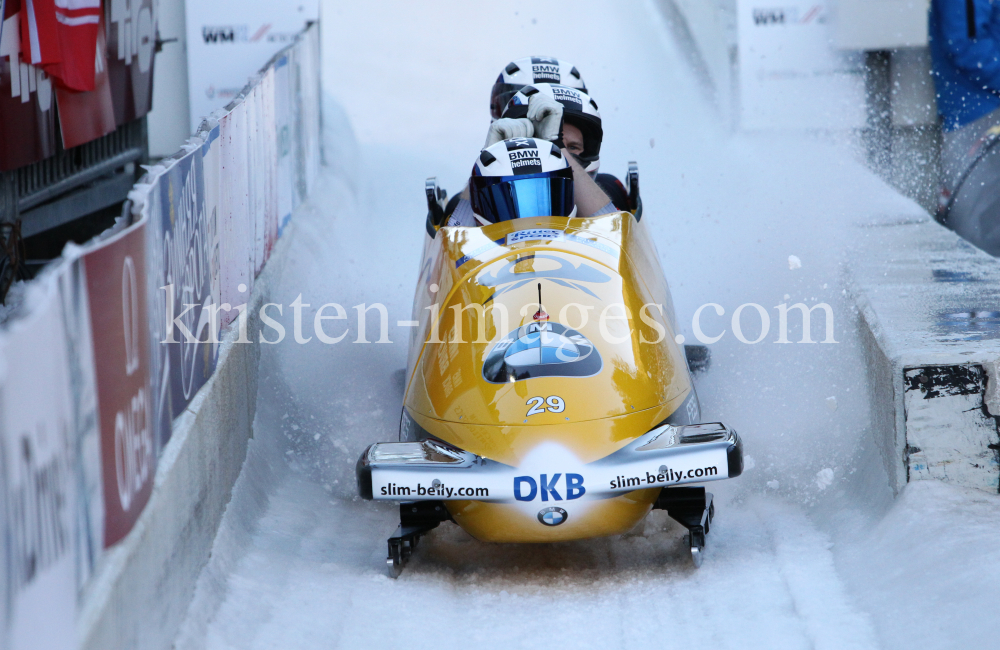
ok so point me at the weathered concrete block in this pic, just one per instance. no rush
(950, 435)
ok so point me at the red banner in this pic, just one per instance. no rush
(123, 67)
(87, 116)
(27, 106)
(116, 284)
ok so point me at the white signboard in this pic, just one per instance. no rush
(559, 479)
(39, 485)
(230, 40)
(790, 77)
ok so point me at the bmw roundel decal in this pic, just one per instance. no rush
(552, 516)
(541, 349)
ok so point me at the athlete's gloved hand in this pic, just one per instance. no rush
(546, 114)
(506, 128)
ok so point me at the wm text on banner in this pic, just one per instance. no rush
(116, 284)
(229, 40)
(38, 457)
(190, 282)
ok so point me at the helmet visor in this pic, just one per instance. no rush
(504, 198)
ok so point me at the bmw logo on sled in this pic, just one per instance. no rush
(546, 397)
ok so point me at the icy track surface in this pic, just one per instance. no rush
(808, 549)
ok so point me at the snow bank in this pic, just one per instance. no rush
(928, 572)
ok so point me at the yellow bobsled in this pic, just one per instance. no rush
(547, 398)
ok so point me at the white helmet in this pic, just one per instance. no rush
(521, 178)
(579, 109)
(531, 70)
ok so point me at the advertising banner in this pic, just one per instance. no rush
(790, 77)
(283, 126)
(229, 40)
(236, 227)
(211, 161)
(189, 285)
(27, 101)
(298, 124)
(255, 163)
(116, 285)
(85, 435)
(37, 453)
(160, 396)
(269, 176)
(123, 84)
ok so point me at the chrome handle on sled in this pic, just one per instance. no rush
(435, 208)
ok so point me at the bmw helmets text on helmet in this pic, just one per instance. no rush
(579, 109)
(519, 178)
(531, 70)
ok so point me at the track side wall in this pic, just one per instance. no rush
(931, 331)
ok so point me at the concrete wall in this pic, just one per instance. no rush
(141, 589)
(887, 423)
(929, 319)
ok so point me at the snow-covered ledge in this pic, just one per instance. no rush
(929, 313)
(142, 586)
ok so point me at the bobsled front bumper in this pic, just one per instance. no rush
(433, 470)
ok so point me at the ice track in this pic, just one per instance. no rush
(798, 542)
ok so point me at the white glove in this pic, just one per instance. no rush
(546, 114)
(506, 128)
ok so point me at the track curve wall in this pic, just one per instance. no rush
(128, 376)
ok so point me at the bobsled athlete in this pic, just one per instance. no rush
(531, 70)
(563, 115)
(515, 76)
(531, 177)
(545, 113)
(569, 119)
